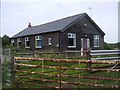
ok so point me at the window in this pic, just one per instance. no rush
(71, 40)
(27, 42)
(96, 40)
(49, 41)
(12, 42)
(18, 42)
(38, 42)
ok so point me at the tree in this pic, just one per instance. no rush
(5, 41)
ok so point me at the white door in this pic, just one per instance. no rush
(85, 45)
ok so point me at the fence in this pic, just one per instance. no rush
(62, 73)
(109, 55)
(6, 68)
(6, 74)
(76, 54)
(57, 73)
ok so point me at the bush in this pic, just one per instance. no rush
(110, 46)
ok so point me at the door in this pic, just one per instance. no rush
(85, 45)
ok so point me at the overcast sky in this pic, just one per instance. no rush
(15, 14)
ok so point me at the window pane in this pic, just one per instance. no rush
(49, 41)
(36, 42)
(69, 35)
(71, 39)
(70, 42)
(26, 38)
(74, 35)
(96, 36)
(12, 42)
(39, 42)
(40, 37)
(96, 42)
(27, 43)
(36, 37)
(84, 43)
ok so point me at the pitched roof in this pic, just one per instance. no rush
(57, 25)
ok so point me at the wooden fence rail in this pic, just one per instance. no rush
(70, 60)
(57, 75)
(66, 68)
(74, 83)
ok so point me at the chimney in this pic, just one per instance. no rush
(29, 25)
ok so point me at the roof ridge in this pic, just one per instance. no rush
(59, 19)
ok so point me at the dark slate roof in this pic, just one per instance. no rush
(57, 25)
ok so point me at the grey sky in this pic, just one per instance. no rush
(16, 14)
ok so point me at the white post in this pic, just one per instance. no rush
(81, 46)
(0, 64)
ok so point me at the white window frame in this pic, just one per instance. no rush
(18, 41)
(37, 38)
(27, 39)
(72, 35)
(96, 38)
(49, 41)
(12, 41)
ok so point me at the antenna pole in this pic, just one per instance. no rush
(90, 11)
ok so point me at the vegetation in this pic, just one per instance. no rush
(118, 44)
(111, 46)
(5, 41)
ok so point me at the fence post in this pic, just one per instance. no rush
(60, 74)
(42, 72)
(13, 70)
(66, 54)
(89, 65)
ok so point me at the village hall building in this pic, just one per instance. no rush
(78, 32)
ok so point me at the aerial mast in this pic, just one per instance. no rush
(90, 11)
